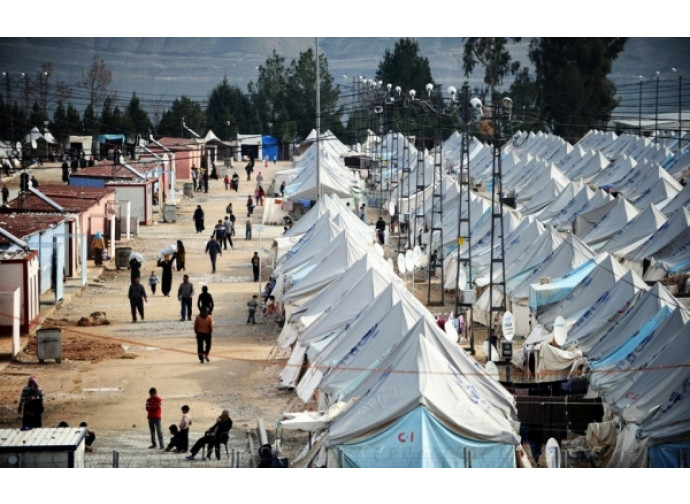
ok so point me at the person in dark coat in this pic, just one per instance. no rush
(213, 250)
(134, 268)
(167, 264)
(249, 168)
(205, 300)
(65, 172)
(180, 256)
(137, 298)
(198, 219)
(33, 409)
(213, 437)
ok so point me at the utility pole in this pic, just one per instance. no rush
(318, 123)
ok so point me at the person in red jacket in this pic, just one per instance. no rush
(154, 414)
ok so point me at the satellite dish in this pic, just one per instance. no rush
(553, 454)
(379, 249)
(451, 332)
(391, 208)
(462, 278)
(492, 369)
(409, 261)
(417, 251)
(494, 351)
(560, 332)
(508, 326)
(401, 264)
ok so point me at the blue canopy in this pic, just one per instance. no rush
(269, 147)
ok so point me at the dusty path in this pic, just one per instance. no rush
(161, 352)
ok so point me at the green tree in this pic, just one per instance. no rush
(493, 55)
(137, 120)
(268, 93)
(405, 67)
(574, 92)
(37, 117)
(523, 92)
(57, 125)
(228, 110)
(90, 121)
(301, 91)
(182, 109)
(73, 122)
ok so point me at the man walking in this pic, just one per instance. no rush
(256, 264)
(219, 232)
(205, 300)
(203, 328)
(381, 230)
(137, 297)
(227, 237)
(185, 292)
(213, 250)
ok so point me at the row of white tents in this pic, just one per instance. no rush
(568, 228)
(392, 388)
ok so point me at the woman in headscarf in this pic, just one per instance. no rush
(31, 388)
(166, 278)
(134, 267)
(180, 256)
(98, 246)
(198, 219)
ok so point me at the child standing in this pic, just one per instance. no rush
(153, 282)
(185, 422)
(252, 304)
(226, 181)
(248, 229)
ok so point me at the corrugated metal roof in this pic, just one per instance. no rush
(51, 438)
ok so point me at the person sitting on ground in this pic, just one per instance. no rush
(175, 439)
(215, 436)
(90, 437)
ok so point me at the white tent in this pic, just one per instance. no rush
(636, 232)
(334, 176)
(358, 345)
(569, 255)
(408, 388)
(676, 225)
(606, 308)
(605, 274)
(601, 223)
(644, 306)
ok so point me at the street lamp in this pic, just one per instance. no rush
(656, 109)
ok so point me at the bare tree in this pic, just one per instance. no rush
(96, 80)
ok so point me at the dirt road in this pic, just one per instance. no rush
(107, 370)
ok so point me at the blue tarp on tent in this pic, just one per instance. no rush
(670, 455)
(418, 439)
(547, 294)
(269, 147)
(104, 138)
